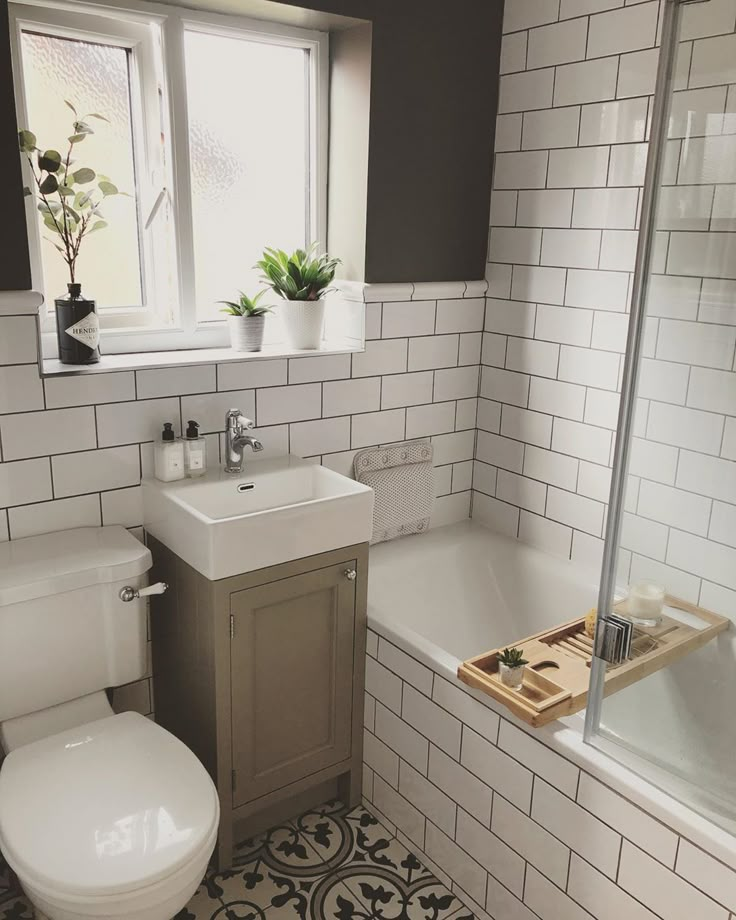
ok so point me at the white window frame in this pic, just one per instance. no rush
(130, 23)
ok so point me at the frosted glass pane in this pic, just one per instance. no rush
(94, 78)
(248, 135)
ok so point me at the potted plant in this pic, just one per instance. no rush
(69, 197)
(302, 281)
(247, 321)
(511, 666)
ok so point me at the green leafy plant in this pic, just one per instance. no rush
(245, 306)
(303, 275)
(512, 657)
(69, 195)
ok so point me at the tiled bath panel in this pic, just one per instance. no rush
(514, 829)
(327, 863)
(575, 100)
(74, 448)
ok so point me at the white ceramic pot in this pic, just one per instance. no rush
(513, 678)
(246, 332)
(303, 322)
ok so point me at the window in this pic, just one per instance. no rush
(57, 68)
(249, 174)
(214, 126)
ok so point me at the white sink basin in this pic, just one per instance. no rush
(275, 511)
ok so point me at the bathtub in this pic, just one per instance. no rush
(460, 590)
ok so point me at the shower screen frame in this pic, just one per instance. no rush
(634, 345)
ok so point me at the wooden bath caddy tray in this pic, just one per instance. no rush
(556, 679)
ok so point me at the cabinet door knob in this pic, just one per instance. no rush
(350, 574)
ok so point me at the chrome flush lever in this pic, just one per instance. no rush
(128, 593)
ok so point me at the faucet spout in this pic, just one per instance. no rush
(247, 441)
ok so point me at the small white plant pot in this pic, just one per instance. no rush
(513, 678)
(303, 322)
(246, 332)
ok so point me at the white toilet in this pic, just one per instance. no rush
(101, 815)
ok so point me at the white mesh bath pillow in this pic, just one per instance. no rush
(402, 478)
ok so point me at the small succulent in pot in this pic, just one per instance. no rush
(511, 665)
(246, 320)
(302, 280)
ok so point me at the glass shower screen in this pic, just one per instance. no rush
(672, 513)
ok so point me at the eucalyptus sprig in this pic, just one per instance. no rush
(68, 200)
(245, 306)
(299, 276)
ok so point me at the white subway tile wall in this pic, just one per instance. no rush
(519, 831)
(576, 102)
(74, 448)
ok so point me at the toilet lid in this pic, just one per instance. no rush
(109, 807)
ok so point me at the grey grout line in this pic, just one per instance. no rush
(526, 862)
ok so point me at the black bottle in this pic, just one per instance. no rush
(77, 328)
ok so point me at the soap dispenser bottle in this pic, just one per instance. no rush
(195, 451)
(168, 456)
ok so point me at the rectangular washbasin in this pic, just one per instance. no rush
(276, 510)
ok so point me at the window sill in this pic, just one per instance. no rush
(52, 367)
(344, 333)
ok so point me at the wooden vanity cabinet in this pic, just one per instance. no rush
(262, 676)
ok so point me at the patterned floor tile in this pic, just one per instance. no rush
(16, 909)
(200, 907)
(9, 889)
(330, 863)
(340, 835)
(387, 880)
(278, 869)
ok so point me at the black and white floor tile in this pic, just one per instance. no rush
(328, 864)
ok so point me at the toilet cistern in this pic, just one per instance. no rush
(236, 440)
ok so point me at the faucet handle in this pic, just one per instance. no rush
(234, 418)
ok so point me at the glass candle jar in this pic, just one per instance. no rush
(645, 603)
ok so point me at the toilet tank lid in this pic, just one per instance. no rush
(52, 563)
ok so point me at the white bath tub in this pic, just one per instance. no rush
(461, 590)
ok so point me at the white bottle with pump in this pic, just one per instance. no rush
(168, 456)
(195, 451)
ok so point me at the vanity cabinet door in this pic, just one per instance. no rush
(291, 679)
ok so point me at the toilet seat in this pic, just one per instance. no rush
(108, 809)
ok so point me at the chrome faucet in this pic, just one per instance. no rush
(236, 440)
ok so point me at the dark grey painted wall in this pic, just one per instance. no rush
(350, 104)
(434, 88)
(434, 94)
(15, 269)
